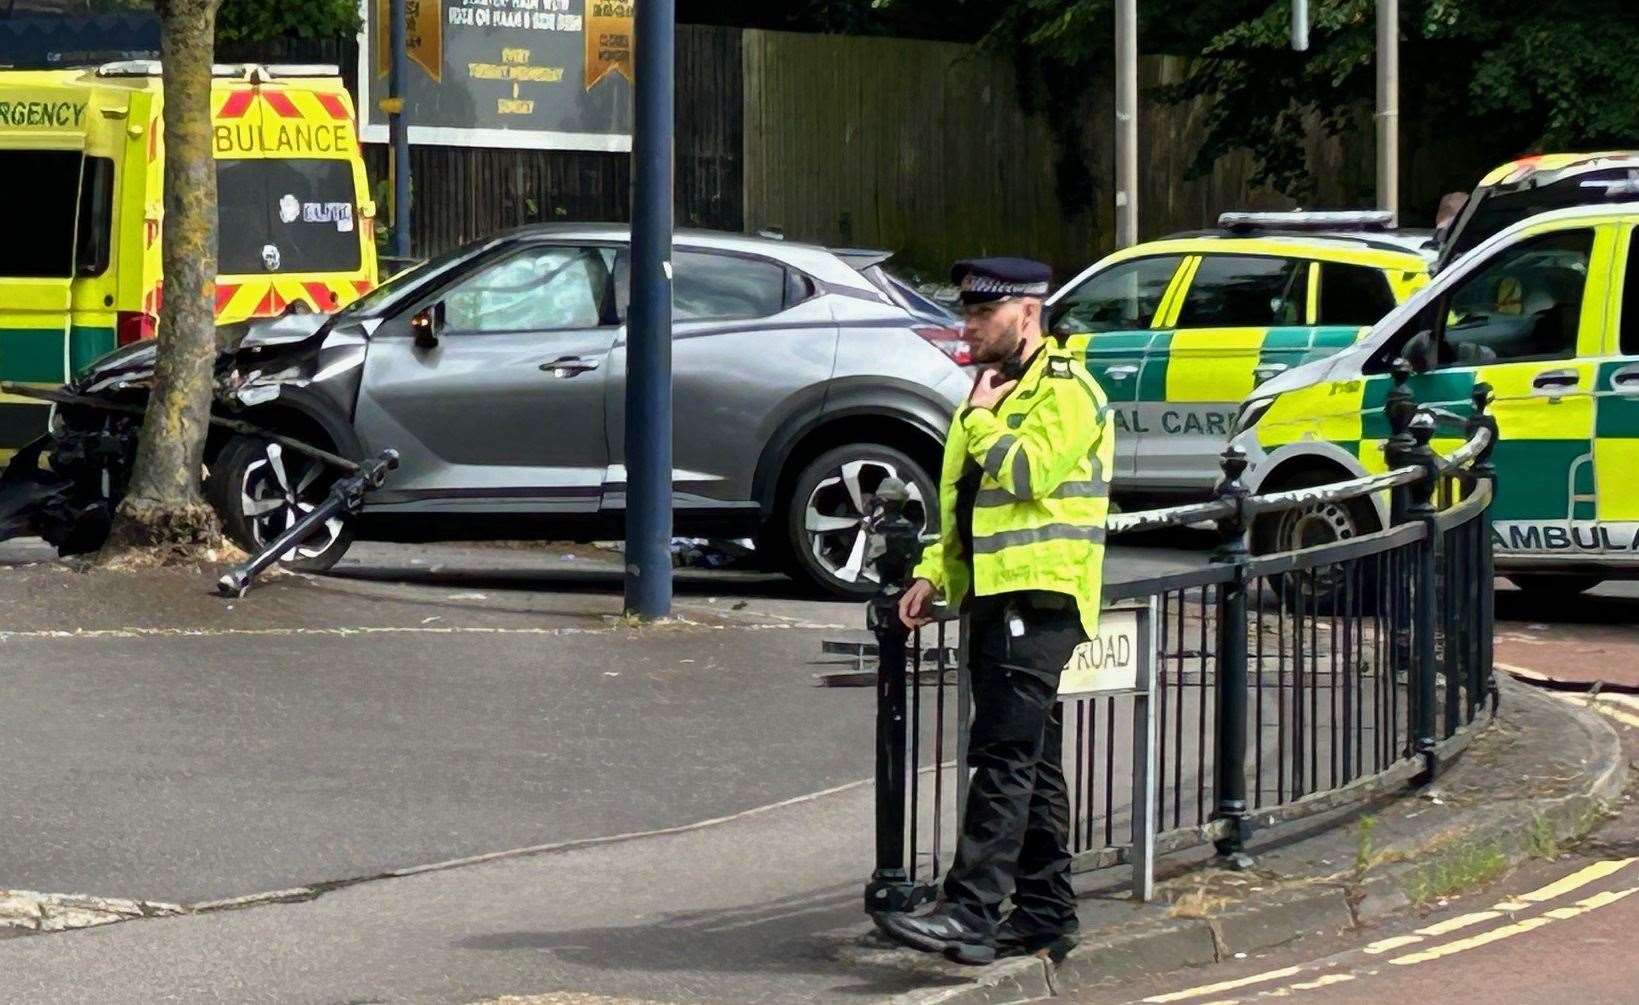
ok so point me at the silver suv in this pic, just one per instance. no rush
(803, 378)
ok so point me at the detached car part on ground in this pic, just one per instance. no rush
(803, 379)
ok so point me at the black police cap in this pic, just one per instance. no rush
(983, 280)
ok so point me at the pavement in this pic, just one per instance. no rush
(674, 813)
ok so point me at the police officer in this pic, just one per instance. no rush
(1023, 499)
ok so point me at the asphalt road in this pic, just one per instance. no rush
(1554, 931)
(424, 704)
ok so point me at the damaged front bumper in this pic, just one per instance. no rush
(37, 501)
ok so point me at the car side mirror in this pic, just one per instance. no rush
(426, 325)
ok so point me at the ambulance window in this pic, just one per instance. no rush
(1525, 303)
(1245, 291)
(46, 216)
(287, 215)
(1123, 297)
(94, 244)
(1630, 298)
(1353, 295)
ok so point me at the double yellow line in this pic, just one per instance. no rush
(1553, 891)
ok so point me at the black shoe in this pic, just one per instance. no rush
(941, 931)
(1015, 941)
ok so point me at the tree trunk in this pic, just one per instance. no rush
(164, 509)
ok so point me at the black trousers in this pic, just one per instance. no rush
(1016, 825)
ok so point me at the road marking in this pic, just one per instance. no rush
(1212, 989)
(1558, 888)
(1322, 982)
(1593, 903)
(1472, 942)
(1455, 924)
(1576, 880)
(1397, 942)
(1627, 719)
(1442, 928)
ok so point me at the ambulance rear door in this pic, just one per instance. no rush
(42, 146)
(290, 234)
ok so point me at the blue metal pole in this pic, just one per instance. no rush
(399, 128)
(649, 322)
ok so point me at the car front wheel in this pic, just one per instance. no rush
(825, 514)
(260, 490)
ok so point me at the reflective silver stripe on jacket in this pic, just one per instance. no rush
(1094, 488)
(992, 543)
(1021, 476)
(997, 454)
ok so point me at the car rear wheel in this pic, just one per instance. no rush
(825, 514)
(260, 490)
(1566, 585)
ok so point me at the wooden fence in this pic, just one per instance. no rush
(918, 147)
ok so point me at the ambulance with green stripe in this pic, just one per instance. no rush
(83, 151)
(1546, 311)
(1179, 331)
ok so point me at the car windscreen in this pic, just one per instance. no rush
(286, 215)
(59, 201)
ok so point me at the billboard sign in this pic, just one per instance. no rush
(539, 74)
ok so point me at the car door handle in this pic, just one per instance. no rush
(1265, 371)
(1554, 380)
(1120, 372)
(569, 366)
(1626, 380)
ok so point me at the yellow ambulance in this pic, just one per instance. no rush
(83, 154)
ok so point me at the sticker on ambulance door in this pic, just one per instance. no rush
(289, 208)
(270, 257)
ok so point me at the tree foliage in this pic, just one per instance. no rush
(1492, 78)
(1481, 80)
(252, 21)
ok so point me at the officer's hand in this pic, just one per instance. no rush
(916, 605)
(989, 390)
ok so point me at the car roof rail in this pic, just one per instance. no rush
(1406, 242)
(249, 71)
(1304, 220)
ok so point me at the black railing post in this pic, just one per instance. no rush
(1229, 735)
(894, 539)
(1424, 607)
(1399, 408)
(1485, 572)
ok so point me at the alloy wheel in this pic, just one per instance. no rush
(276, 492)
(835, 516)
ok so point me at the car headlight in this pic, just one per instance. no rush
(1249, 415)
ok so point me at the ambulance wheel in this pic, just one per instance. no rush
(1329, 589)
(260, 489)
(1560, 583)
(826, 509)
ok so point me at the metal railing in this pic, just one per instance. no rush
(1284, 684)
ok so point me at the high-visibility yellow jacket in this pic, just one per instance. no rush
(1043, 458)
